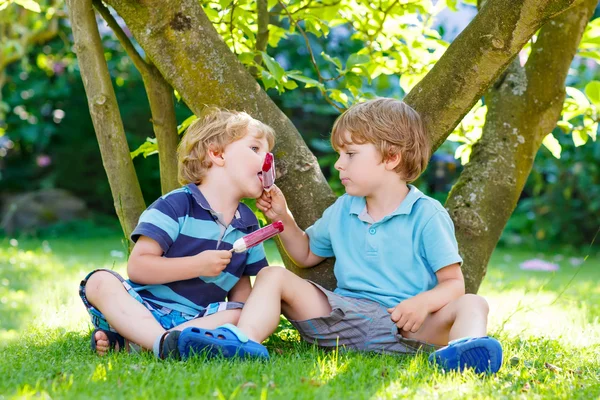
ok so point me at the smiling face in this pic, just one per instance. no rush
(362, 170)
(243, 162)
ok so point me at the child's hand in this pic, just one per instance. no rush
(409, 314)
(213, 262)
(273, 204)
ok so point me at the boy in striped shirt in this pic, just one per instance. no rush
(182, 272)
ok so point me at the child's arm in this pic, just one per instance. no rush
(294, 240)
(410, 314)
(241, 291)
(146, 265)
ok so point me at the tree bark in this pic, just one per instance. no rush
(475, 59)
(104, 111)
(162, 107)
(186, 49)
(523, 107)
(190, 54)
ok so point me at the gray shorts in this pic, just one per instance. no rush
(357, 324)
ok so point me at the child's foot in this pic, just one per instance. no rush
(103, 341)
(483, 354)
(226, 340)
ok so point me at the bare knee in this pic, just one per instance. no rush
(100, 285)
(272, 274)
(233, 316)
(473, 303)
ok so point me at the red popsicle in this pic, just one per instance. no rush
(256, 237)
(268, 172)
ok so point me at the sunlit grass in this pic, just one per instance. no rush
(549, 324)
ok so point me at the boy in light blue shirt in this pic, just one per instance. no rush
(399, 283)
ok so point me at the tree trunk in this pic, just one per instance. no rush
(104, 111)
(160, 96)
(162, 107)
(523, 107)
(475, 59)
(186, 49)
(190, 54)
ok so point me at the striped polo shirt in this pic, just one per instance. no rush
(183, 224)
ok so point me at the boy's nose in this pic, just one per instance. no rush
(338, 165)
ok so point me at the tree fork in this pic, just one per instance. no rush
(162, 107)
(522, 110)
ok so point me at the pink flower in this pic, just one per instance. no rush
(43, 160)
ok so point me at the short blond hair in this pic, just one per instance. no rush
(214, 129)
(393, 127)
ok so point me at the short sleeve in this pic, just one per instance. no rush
(320, 236)
(439, 246)
(159, 222)
(256, 260)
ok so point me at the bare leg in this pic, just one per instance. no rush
(275, 290)
(212, 321)
(127, 316)
(133, 320)
(465, 316)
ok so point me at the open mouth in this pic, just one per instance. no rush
(260, 177)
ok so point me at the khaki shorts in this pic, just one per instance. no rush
(358, 324)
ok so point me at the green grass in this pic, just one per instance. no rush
(549, 324)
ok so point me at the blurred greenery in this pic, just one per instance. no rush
(47, 138)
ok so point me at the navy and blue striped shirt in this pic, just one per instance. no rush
(183, 224)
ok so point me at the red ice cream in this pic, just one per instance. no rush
(258, 236)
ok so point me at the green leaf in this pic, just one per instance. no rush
(290, 85)
(565, 126)
(268, 80)
(149, 147)
(552, 144)
(184, 125)
(592, 91)
(357, 59)
(578, 96)
(594, 55)
(580, 137)
(339, 96)
(273, 66)
(452, 4)
(29, 5)
(334, 60)
(304, 79)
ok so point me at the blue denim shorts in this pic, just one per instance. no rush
(167, 318)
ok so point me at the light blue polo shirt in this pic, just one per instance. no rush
(390, 260)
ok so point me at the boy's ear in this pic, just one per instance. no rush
(392, 161)
(216, 156)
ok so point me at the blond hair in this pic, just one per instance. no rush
(393, 127)
(214, 129)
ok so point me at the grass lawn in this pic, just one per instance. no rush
(548, 322)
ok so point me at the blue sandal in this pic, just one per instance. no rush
(483, 354)
(113, 339)
(226, 340)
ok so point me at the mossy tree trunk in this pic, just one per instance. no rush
(185, 48)
(183, 45)
(162, 106)
(104, 111)
(523, 107)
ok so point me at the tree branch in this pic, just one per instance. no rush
(162, 108)
(135, 57)
(106, 118)
(312, 57)
(489, 43)
(522, 110)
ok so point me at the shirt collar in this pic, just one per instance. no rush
(358, 204)
(243, 218)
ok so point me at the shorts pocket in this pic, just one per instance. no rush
(336, 315)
